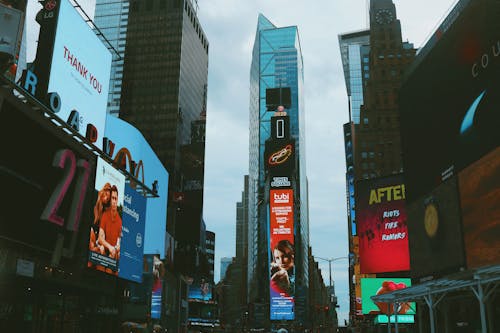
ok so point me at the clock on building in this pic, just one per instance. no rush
(384, 16)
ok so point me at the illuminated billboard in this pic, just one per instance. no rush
(280, 157)
(480, 204)
(200, 290)
(132, 241)
(105, 240)
(378, 286)
(157, 286)
(351, 201)
(282, 254)
(123, 138)
(382, 225)
(79, 73)
(434, 224)
(450, 98)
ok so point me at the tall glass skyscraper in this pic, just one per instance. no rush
(276, 62)
(111, 17)
(354, 49)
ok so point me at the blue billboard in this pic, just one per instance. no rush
(200, 290)
(124, 140)
(351, 202)
(134, 220)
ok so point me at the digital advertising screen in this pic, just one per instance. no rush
(378, 286)
(451, 120)
(125, 137)
(382, 225)
(158, 272)
(132, 242)
(351, 201)
(282, 254)
(105, 241)
(80, 72)
(200, 290)
(280, 157)
(434, 224)
(480, 203)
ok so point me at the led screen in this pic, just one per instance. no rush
(382, 226)
(132, 242)
(200, 290)
(434, 224)
(450, 100)
(157, 287)
(80, 71)
(282, 254)
(149, 169)
(105, 241)
(351, 200)
(480, 203)
(378, 286)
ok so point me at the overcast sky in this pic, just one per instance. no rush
(230, 26)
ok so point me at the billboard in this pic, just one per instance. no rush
(79, 73)
(382, 226)
(434, 224)
(132, 242)
(105, 240)
(450, 121)
(351, 201)
(378, 286)
(280, 157)
(36, 161)
(10, 21)
(479, 186)
(282, 252)
(200, 290)
(158, 272)
(124, 138)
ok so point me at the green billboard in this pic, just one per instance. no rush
(377, 286)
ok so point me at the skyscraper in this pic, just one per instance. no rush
(378, 142)
(164, 92)
(276, 62)
(374, 61)
(111, 17)
(224, 264)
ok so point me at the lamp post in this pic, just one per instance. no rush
(330, 266)
(330, 260)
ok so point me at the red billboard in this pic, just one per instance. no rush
(282, 279)
(480, 203)
(382, 227)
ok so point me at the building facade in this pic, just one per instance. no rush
(164, 92)
(378, 142)
(276, 63)
(111, 18)
(374, 62)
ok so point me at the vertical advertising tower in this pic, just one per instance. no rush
(276, 63)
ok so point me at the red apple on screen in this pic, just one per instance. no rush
(387, 287)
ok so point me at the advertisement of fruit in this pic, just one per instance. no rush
(378, 286)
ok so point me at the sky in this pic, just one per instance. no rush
(230, 27)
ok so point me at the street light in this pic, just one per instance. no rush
(330, 266)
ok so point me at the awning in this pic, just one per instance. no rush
(481, 281)
(453, 282)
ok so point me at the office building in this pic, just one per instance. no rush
(378, 142)
(276, 63)
(224, 264)
(111, 18)
(164, 92)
